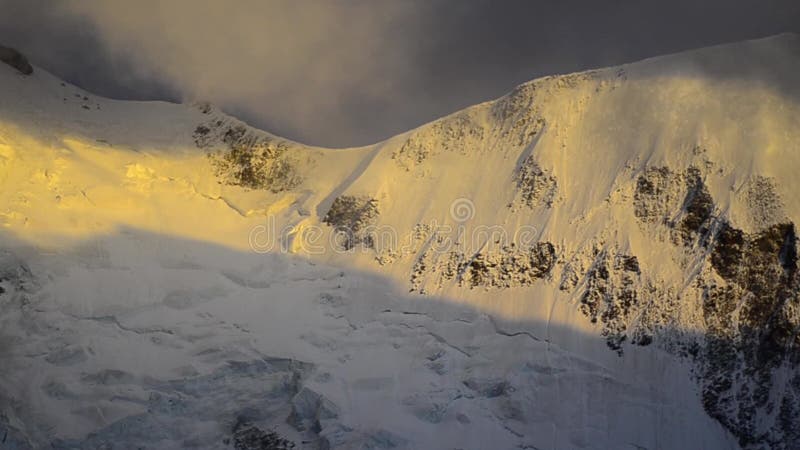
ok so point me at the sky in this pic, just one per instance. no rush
(339, 73)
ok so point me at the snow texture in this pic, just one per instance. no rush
(606, 259)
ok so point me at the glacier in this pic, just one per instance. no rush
(604, 259)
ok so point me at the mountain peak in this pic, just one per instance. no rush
(625, 235)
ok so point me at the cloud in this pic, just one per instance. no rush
(352, 72)
(292, 64)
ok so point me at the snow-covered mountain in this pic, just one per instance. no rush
(606, 259)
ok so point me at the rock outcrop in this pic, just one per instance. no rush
(16, 60)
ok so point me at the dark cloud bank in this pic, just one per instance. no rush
(352, 72)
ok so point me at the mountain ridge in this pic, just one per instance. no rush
(614, 205)
(785, 38)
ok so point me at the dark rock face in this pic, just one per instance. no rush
(537, 187)
(611, 294)
(728, 251)
(753, 335)
(351, 216)
(508, 266)
(748, 360)
(16, 60)
(746, 351)
(656, 195)
(661, 195)
(250, 160)
(246, 436)
(698, 206)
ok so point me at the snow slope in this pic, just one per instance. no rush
(604, 259)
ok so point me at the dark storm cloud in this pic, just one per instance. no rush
(347, 72)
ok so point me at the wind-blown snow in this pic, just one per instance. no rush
(161, 284)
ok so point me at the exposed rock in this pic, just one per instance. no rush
(750, 307)
(246, 436)
(518, 115)
(744, 296)
(611, 294)
(698, 207)
(351, 216)
(458, 133)
(509, 267)
(16, 60)
(657, 195)
(753, 325)
(728, 251)
(680, 201)
(537, 187)
(506, 267)
(250, 160)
